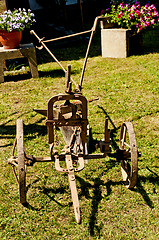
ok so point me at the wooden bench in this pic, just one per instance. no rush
(25, 51)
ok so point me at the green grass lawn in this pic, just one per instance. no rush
(128, 90)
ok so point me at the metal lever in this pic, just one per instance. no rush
(68, 84)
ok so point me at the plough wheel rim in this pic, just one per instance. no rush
(21, 162)
(129, 172)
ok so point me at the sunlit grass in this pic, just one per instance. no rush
(128, 91)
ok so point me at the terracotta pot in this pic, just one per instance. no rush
(10, 40)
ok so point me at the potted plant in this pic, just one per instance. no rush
(131, 19)
(12, 23)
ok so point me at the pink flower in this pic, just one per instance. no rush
(152, 21)
(137, 12)
(156, 13)
(121, 5)
(153, 7)
(131, 15)
(150, 8)
(133, 7)
(142, 11)
(138, 5)
(137, 25)
(121, 13)
(146, 24)
(149, 13)
(146, 6)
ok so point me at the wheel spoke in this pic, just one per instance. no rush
(126, 145)
(14, 145)
(15, 174)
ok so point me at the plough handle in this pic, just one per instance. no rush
(78, 87)
(99, 18)
(52, 55)
(43, 44)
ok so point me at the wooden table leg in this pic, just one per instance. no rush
(33, 63)
(1, 71)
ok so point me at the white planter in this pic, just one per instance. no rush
(115, 42)
(118, 42)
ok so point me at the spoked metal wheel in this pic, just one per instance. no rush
(129, 163)
(19, 161)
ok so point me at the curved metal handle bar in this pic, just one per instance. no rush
(92, 31)
(52, 55)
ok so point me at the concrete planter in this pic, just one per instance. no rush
(118, 42)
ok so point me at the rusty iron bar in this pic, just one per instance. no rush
(68, 84)
(52, 55)
(88, 48)
(92, 31)
(68, 36)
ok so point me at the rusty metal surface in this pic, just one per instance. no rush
(129, 170)
(74, 193)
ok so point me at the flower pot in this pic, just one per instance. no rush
(119, 43)
(10, 40)
(115, 42)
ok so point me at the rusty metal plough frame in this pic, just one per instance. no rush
(68, 111)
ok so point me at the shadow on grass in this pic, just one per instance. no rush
(57, 73)
(49, 192)
(96, 199)
(30, 207)
(40, 130)
(96, 186)
(53, 73)
(9, 131)
(154, 179)
(97, 194)
(143, 193)
(17, 77)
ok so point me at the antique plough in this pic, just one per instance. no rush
(68, 111)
